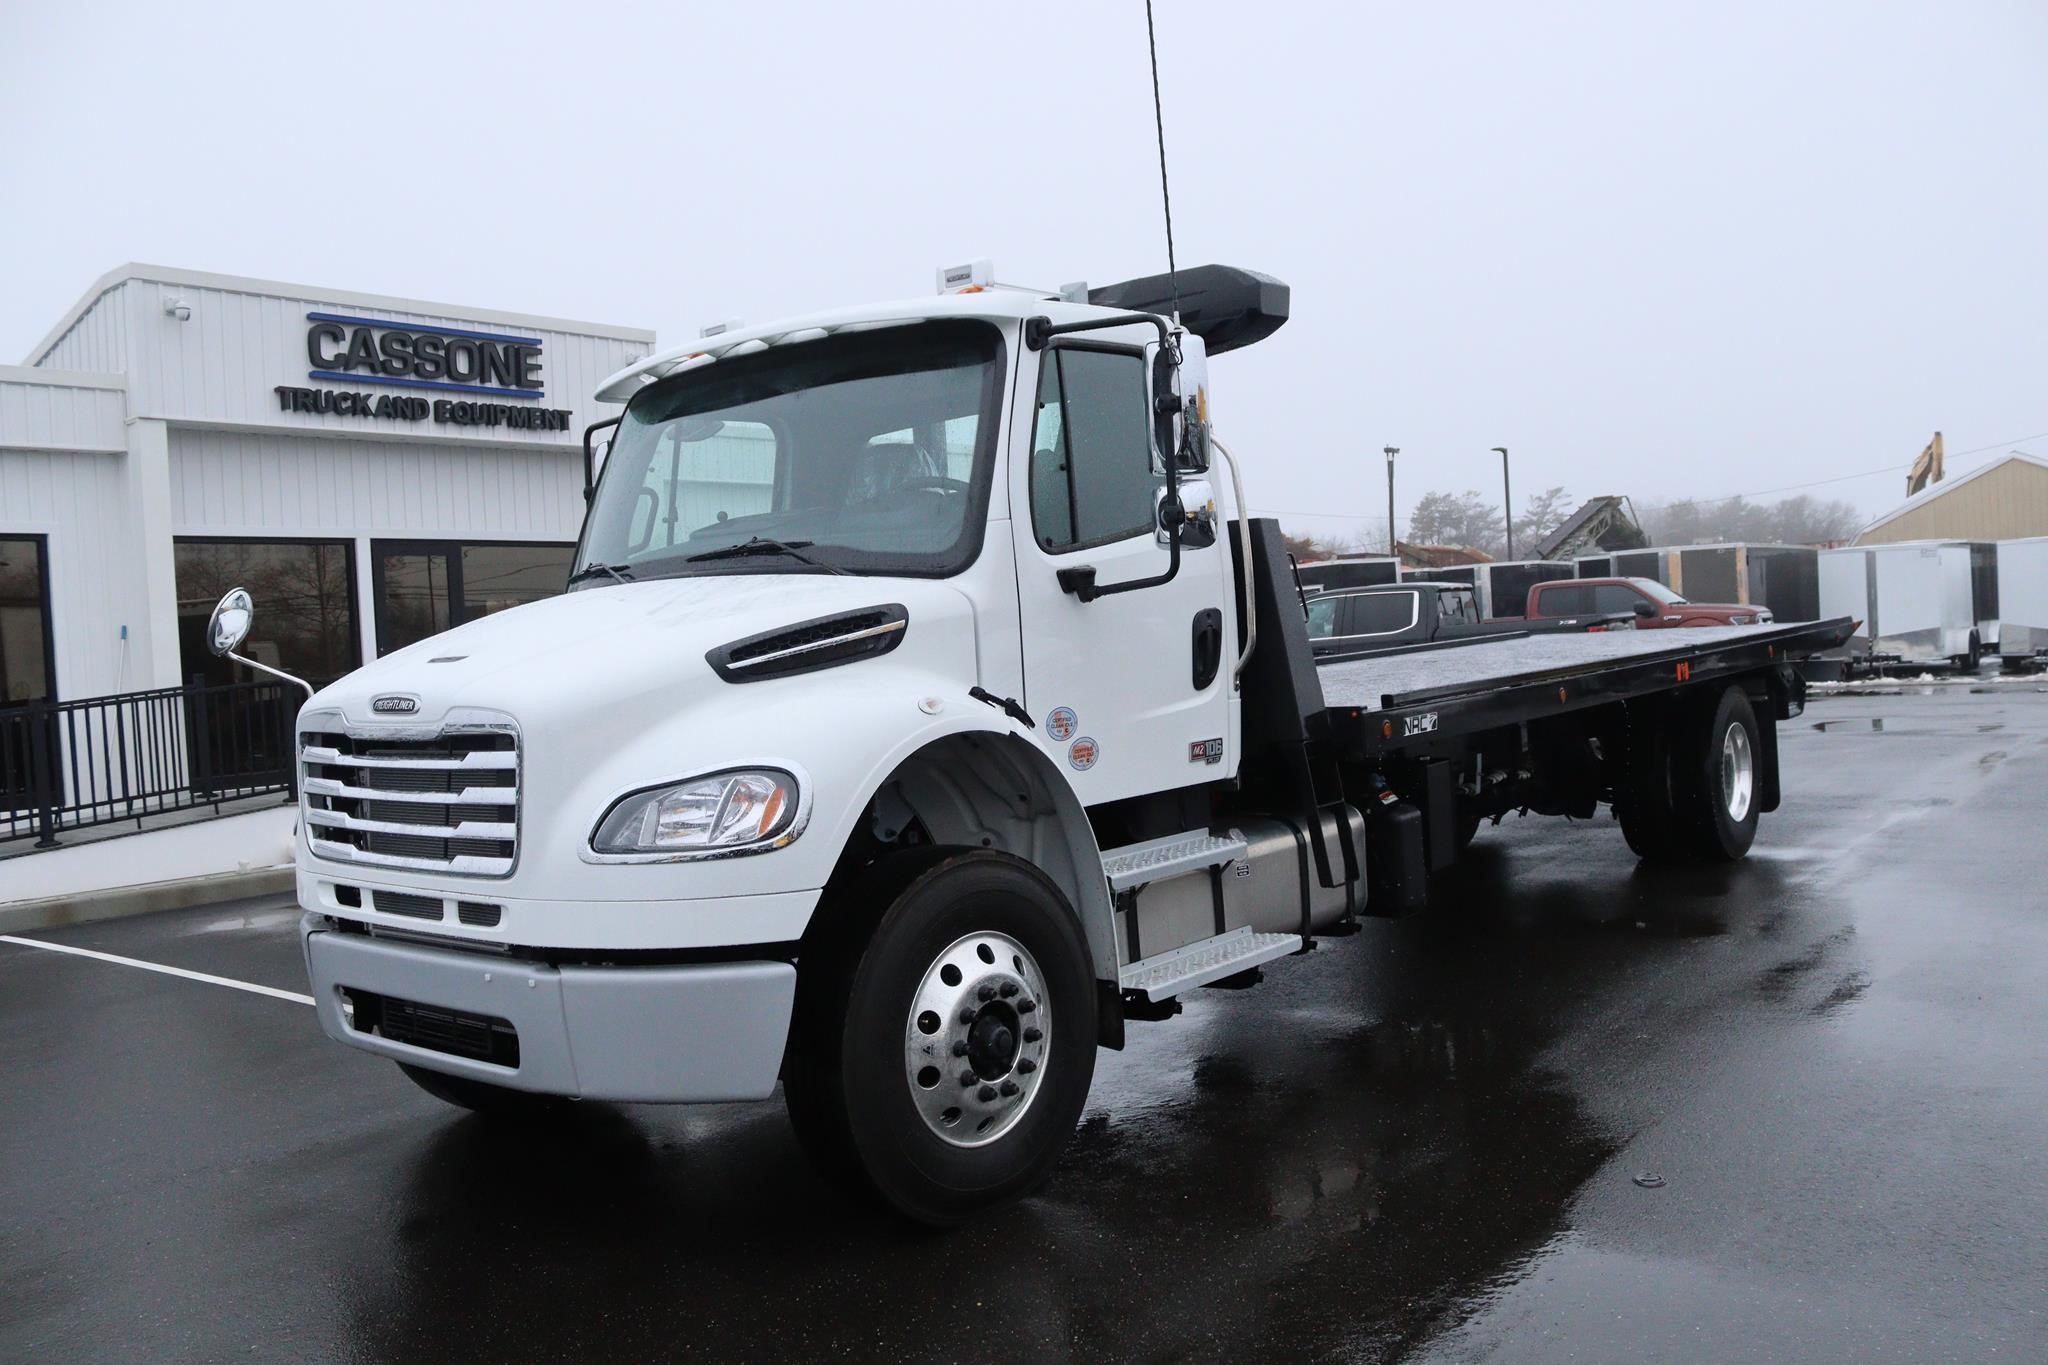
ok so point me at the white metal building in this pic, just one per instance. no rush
(372, 469)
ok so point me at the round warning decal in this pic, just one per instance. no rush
(1082, 753)
(1061, 722)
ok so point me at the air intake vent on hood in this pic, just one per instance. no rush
(808, 646)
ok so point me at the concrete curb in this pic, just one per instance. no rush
(123, 901)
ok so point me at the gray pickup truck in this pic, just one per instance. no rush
(1350, 622)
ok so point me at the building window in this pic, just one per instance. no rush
(305, 606)
(427, 586)
(28, 670)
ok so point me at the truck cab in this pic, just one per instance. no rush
(911, 588)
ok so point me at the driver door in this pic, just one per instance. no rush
(1116, 685)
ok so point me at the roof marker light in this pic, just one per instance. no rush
(972, 277)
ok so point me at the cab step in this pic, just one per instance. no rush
(1157, 859)
(1199, 963)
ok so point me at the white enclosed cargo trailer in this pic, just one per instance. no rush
(1916, 601)
(2022, 602)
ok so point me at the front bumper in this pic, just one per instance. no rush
(670, 1034)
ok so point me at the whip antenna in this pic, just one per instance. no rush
(1166, 197)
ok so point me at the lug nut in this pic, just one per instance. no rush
(960, 1048)
(968, 1078)
(967, 1016)
(1027, 1066)
(986, 1093)
(985, 993)
(1009, 1087)
(1032, 1035)
(1026, 1006)
(1007, 989)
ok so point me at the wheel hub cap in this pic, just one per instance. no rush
(975, 1044)
(1738, 772)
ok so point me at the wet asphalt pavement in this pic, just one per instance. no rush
(1417, 1142)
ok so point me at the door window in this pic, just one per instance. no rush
(1615, 597)
(1562, 601)
(1322, 617)
(1091, 450)
(1381, 613)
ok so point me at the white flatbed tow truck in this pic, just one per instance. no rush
(925, 709)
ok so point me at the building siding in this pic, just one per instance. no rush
(258, 483)
(53, 414)
(2004, 503)
(97, 341)
(225, 363)
(80, 501)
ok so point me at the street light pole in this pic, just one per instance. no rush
(1507, 500)
(1392, 451)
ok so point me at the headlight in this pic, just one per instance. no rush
(752, 808)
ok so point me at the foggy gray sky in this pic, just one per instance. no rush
(1655, 249)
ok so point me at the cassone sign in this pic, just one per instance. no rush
(416, 355)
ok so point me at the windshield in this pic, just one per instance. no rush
(1658, 591)
(868, 453)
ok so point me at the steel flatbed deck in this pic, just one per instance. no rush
(1392, 701)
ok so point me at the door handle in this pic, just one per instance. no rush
(1208, 643)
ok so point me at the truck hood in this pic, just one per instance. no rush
(619, 643)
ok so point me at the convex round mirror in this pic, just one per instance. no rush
(231, 621)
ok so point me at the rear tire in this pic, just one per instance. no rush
(1719, 786)
(1644, 805)
(481, 1097)
(874, 1081)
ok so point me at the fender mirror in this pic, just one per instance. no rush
(229, 626)
(230, 622)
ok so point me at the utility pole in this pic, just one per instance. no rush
(1392, 451)
(1507, 500)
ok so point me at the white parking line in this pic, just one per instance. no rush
(249, 986)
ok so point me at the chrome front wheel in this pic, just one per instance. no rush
(977, 1039)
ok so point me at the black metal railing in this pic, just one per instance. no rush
(69, 765)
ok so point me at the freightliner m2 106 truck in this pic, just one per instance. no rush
(926, 711)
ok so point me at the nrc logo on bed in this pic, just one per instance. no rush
(395, 706)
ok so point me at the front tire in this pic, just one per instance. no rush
(943, 1057)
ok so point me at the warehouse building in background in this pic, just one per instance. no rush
(2003, 500)
(373, 469)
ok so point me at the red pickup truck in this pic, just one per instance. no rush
(1655, 606)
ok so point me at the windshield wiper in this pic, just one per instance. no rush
(758, 545)
(618, 571)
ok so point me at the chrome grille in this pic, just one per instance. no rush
(447, 803)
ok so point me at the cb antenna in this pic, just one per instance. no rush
(1165, 196)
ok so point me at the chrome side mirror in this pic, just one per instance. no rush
(229, 625)
(1195, 511)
